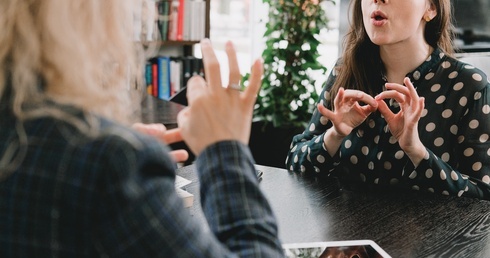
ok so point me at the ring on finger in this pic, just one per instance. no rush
(234, 86)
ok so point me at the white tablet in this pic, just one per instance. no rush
(334, 249)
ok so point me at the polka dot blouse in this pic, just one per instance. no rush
(454, 127)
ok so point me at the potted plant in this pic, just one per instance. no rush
(288, 95)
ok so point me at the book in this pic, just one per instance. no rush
(175, 75)
(148, 77)
(164, 89)
(154, 78)
(180, 20)
(163, 8)
(173, 23)
(187, 197)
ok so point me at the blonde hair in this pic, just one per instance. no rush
(77, 52)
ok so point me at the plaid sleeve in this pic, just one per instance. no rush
(140, 214)
(236, 210)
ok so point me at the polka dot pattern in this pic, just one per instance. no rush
(453, 127)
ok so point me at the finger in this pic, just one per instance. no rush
(172, 136)
(196, 86)
(150, 129)
(391, 94)
(413, 93)
(360, 96)
(325, 111)
(367, 109)
(339, 98)
(254, 82)
(211, 65)
(179, 155)
(421, 107)
(398, 87)
(182, 118)
(385, 110)
(234, 76)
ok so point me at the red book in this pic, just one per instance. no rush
(173, 25)
(180, 22)
(154, 75)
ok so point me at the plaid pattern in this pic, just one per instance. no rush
(114, 196)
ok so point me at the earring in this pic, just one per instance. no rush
(427, 18)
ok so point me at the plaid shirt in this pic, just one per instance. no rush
(114, 195)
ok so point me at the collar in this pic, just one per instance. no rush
(427, 66)
(423, 69)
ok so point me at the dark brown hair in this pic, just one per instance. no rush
(360, 64)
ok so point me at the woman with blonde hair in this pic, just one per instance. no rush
(76, 180)
(398, 111)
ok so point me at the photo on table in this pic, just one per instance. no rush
(335, 249)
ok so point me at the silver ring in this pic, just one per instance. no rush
(234, 86)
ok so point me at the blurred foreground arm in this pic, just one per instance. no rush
(216, 127)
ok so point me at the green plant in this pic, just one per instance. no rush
(288, 94)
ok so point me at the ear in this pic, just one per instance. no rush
(431, 11)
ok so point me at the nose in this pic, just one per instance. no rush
(377, 1)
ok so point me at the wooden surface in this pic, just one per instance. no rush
(405, 224)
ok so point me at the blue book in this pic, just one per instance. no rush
(164, 90)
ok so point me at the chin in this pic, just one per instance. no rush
(380, 41)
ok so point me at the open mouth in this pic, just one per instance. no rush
(378, 16)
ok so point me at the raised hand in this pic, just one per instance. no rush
(216, 113)
(348, 113)
(167, 136)
(404, 124)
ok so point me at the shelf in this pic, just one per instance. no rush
(171, 43)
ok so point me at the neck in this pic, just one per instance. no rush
(401, 59)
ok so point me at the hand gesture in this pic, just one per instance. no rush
(348, 113)
(167, 136)
(404, 124)
(216, 113)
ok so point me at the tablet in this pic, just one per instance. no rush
(334, 249)
(180, 97)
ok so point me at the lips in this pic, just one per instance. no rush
(378, 18)
(378, 15)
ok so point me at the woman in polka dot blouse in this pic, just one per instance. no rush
(398, 110)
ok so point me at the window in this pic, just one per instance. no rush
(242, 21)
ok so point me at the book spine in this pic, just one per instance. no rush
(175, 78)
(174, 19)
(180, 22)
(154, 73)
(187, 20)
(164, 77)
(187, 70)
(165, 19)
(148, 78)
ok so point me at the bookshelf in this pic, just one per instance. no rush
(178, 25)
(186, 44)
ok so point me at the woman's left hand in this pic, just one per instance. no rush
(404, 124)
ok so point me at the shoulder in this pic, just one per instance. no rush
(89, 144)
(464, 75)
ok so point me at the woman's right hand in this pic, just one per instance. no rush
(216, 113)
(348, 113)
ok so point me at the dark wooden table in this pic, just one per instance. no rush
(404, 224)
